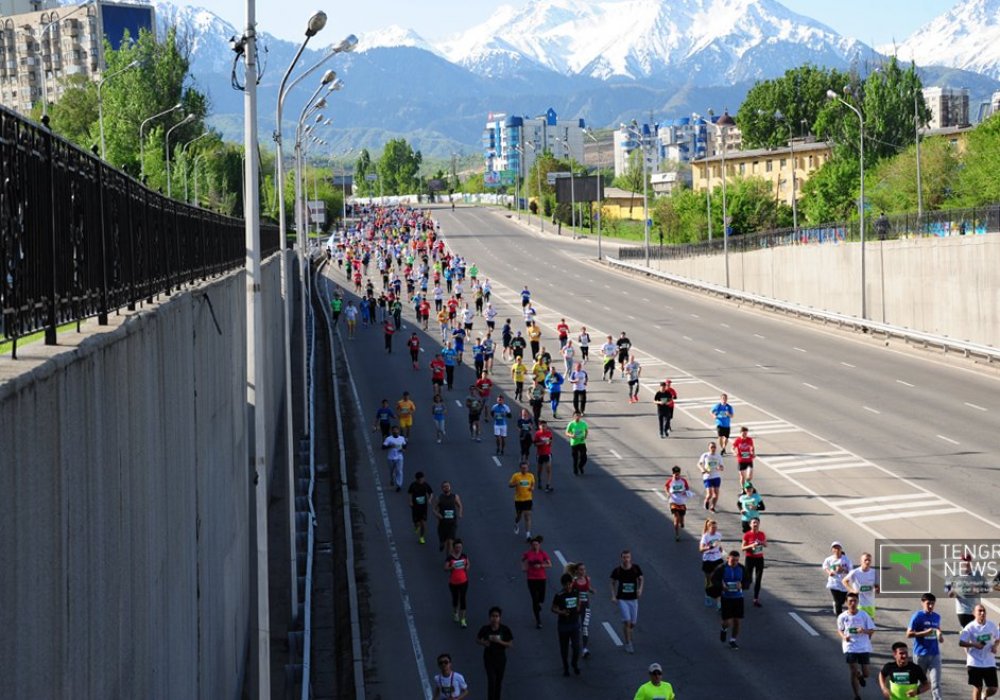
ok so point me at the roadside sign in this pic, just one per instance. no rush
(491, 178)
(371, 177)
(553, 176)
(649, 223)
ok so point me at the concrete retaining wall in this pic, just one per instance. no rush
(126, 538)
(945, 286)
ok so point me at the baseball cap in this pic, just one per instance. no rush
(655, 667)
(836, 544)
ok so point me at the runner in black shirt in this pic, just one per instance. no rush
(902, 672)
(624, 346)
(497, 639)
(420, 496)
(664, 400)
(566, 605)
(626, 589)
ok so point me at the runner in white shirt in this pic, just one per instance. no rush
(468, 316)
(863, 580)
(608, 353)
(583, 342)
(395, 444)
(856, 628)
(491, 317)
(449, 684)
(569, 355)
(710, 464)
(438, 297)
(678, 492)
(836, 566)
(632, 371)
(710, 547)
(980, 639)
(578, 378)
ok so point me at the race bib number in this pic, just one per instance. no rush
(866, 589)
(628, 588)
(985, 638)
(448, 514)
(733, 586)
(677, 487)
(420, 500)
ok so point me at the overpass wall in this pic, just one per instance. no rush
(126, 539)
(947, 286)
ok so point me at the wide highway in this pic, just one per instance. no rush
(855, 441)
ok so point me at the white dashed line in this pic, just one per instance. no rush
(631, 317)
(848, 364)
(617, 456)
(645, 299)
(695, 316)
(421, 350)
(607, 308)
(948, 439)
(458, 403)
(659, 493)
(758, 335)
(972, 405)
(871, 410)
(804, 625)
(799, 349)
(657, 326)
(560, 557)
(809, 385)
(497, 460)
(611, 633)
(686, 337)
(724, 325)
(900, 381)
(607, 286)
(719, 350)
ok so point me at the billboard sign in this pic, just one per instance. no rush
(491, 178)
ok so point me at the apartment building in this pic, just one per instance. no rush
(948, 106)
(512, 143)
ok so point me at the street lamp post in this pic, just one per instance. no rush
(183, 150)
(600, 203)
(635, 131)
(916, 137)
(538, 179)
(186, 120)
(100, 101)
(572, 187)
(142, 140)
(723, 123)
(832, 95)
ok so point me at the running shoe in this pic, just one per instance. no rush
(722, 633)
(455, 617)
(733, 644)
(586, 653)
(517, 529)
(422, 541)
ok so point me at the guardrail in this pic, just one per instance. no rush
(79, 238)
(966, 348)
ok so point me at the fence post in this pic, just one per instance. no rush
(50, 240)
(102, 311)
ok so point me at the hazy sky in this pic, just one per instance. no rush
(873, 21)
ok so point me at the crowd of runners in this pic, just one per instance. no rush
(395, 259)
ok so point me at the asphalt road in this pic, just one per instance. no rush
(855, 441)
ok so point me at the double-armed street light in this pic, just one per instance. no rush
(100, 100)
(186, 120)
(142, 139)
(600, 213)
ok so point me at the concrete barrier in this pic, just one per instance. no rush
(125, 502)
(944, 286)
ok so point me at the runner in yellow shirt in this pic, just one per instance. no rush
(518, 372)
(523, 483)
(405, 409)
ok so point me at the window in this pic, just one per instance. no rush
(755, 168)
(811, 159)
(743, 168)
(783, 163)
(769, 166)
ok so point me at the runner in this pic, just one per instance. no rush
(925, 631)
(536, 399)
(336, 306)
(583, 342)
(901, 678)
(863, 580)
(553, 384)
(383, 419)
(395, 444)
(728, 580)
(562, 330)
(478, 358)
(566, 605)
(523, 483)
(581, 582)
(445, 325)
(526, 433)
(405, 408)
(966, 589)
(543, 448)
(484, 385)
(980, 639)
(664, 400)
(632, 371)
(578, 378)
(678, 492)
(496, 638)
(351, 314)
(438, 412)
(413, 344)
(457, 566)
(491, 317)
(474, 404)
(568, 353)
(458, 342)
(448, 511)
(506, 340)
(577, 431)
(754, 542)
(450, 358)
(449, 684)
(856, 628)
(750, 504)
(608, 352)
(437, 374)
(518, 372)
(836, 567)
(656, 688)
(711, 554)
(711, 466)
(525, 297)
(745, 453)
(489, 349)
(723, 413)
(501, 412)
(534, 338)
(517, 345)
(424, 311)
(420, 493)
(626, 589)
(534, 562)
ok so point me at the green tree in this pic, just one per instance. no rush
(631, 180)
(473, 184)
(752, 206)
(75, 114)
(892, 185)
(830, 194)
(798, 96)
(362, 168)
(398, 167)
(978, 181)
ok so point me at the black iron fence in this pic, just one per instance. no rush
(934, 224)
(79, 238)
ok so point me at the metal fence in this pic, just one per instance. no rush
(950, 222)
(79, 238)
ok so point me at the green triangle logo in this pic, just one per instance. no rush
(903, 581)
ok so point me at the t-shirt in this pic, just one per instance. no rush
(543, 442)
(757, 539)
(437, 369)
(921, 621)
(744, 449)
(986, 633)
(577, 431)
(449, 686)
(534, 333)
(495, 651)
(840, 566)
(579, 380)
(518, 372)
(649, 691)
(730, 580)
(420, 494)
(854, 626)
(583, 340)
(714, 543)
(608, 350)
(624, 344)
(438, 410)
(485, 386)
(628, 582)
(458, 568)
(710, 464)
(501, 412)
(902, 679)
(563, 330)
(524, 485)
(569, 602)
(865, 582)
(632, 370)
(413, 343)
(750, 506)
(679, 490)
(475, 405)
(450, 357)
(535, 562)
(664, 398)
(395, 446)
(526, 426)
(384, 414)
(405, 408)
(723, 413)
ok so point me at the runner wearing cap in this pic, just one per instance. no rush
(655, 688)
(678, 492)
(836, 567)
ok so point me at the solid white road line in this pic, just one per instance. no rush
(876, 499)
(871, 410)
(894, 516)
(900, 381)
(497, 460)
(611, 633)
(972, 405)
(948, 439)
(659, 493)
(804, 625)
(560, 557)
(617, 456)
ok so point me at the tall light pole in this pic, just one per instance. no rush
(830, 94)
(142, 139)
(538, 178)
(183, 150)
(916, 138)
(778, 116)
(47, 29)
(708, 177)
(186, 120)
(100, 101)
(637, 132)
(723, 123)
(572, 182)
(600, 189)
(343, 185)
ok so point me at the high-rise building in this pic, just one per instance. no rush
(513, 143)
(43, 43)
(948, 106)
(673, 142)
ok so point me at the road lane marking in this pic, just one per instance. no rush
(948, 439)
(720, 351)
(645, 299)
(658, 327)
(617, 456)
(799, 349)
(972, 405)
(811, 386)
(631, 317)
(758, 335)
(848, 364)
(695, 316)
(872, 410)
(611, 633)
(560, 557)
(686, 337)
(724, 325)
(804, 625)
(497, 460)
(900, 381)
(921, 513)
(762, 366)
(458, 403)
(659, 493)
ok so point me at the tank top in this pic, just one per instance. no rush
(446, 506)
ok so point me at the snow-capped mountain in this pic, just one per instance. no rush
(715, 41)
(392, 37)
(966, 37)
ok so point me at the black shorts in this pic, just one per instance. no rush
(623, 357)
(418, 513)
(708, 567)
(722, 431)
(438, 382)
(474, 418)
(506, 342)
(743, 466)
(544, 459)
(521, 506)
(979, 677)
(732, 609)
(862, 658)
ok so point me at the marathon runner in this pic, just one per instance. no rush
(420, 493)
(523, 483)
(678, 492)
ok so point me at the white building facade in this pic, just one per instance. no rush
(948, 106)
(513, 143)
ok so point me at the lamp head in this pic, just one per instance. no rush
(349, 43)
(831, 95)
(328, 77)
(188, 119)
(316, 23)
(320, 104)
(176, 107)
(336, 85)
(319, 118)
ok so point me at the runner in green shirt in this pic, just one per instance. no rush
(577, 431)
(336, 304)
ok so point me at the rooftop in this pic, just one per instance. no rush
(799, 147)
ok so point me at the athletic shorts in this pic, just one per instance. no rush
(743, 466)
(713, 483)
(981, 676)
(633, 382)
(437, 381)
(732, 609)
(500, 430)
(474, 418)
(405, 421)
(505, 342)
(629, 610)
(623, 357)
(521, 506)
(678, 508)
(418, 513)
(709, 566)
(863, 658)
(722, 431)
(544, 459)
